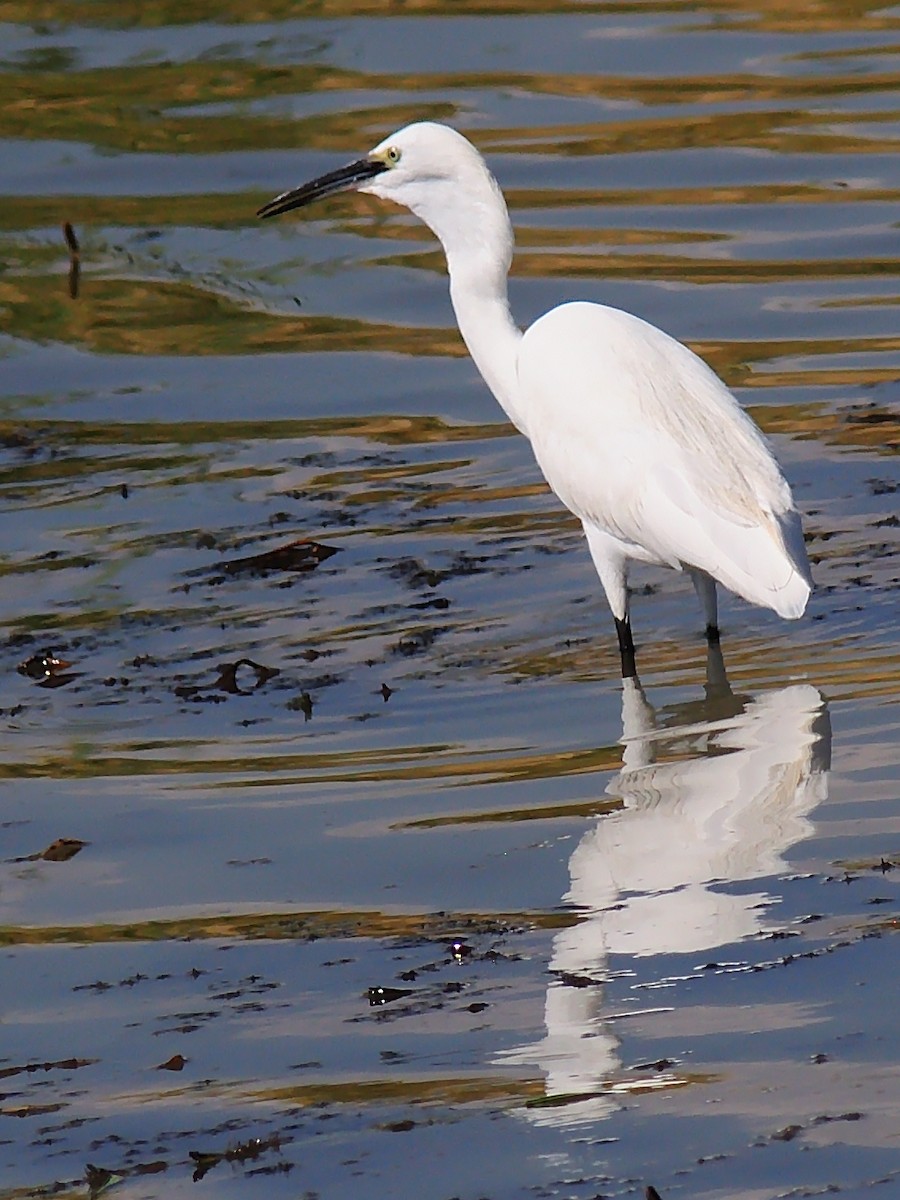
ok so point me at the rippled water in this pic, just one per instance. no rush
(378, 881)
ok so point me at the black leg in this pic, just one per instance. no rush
(626, 648)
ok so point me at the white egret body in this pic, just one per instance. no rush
(633, 432)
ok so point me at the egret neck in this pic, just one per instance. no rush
(490, 333)
(470, 219)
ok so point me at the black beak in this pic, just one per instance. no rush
(335, 181)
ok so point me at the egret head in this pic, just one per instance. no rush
(431, 170)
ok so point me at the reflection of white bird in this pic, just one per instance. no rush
(651, 878)
(634, 433)
(726, 812)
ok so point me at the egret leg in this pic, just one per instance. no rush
(609, 563)
(626, 648)
(705, 587)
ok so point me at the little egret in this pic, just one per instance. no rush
(633, 432)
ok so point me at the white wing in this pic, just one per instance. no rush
(639, 438)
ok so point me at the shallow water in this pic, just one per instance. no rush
(379, 882)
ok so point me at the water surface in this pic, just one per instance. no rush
(377, 880)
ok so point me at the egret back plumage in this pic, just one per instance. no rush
(634, 433)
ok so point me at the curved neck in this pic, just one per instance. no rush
(467, 213)
(481, 304)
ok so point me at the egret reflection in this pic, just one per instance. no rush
(713, 792)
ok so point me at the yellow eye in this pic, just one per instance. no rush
(392, 155)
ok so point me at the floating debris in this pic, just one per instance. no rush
(175, 1063)
(99, 1179)
(62, 850)
(59, 851)
(415, 574)
(302, 703)
(205, 1160)
(386, 995)
(300, 555)
(252, 676)
(786, 1134)
(659, 1064)
(63, 1064)
(416, 641)
(47, 669)
(239, 678)
(31, 1110)
(572, 980)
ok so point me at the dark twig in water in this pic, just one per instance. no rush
(246, 1151)
(74, 258)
